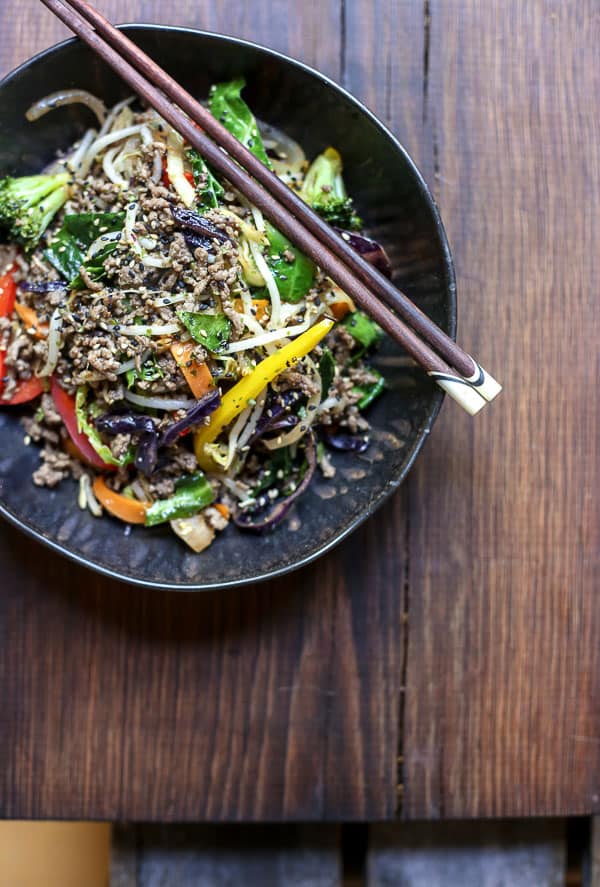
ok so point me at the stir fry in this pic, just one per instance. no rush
(170, 349)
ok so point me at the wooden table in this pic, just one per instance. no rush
(444, 662)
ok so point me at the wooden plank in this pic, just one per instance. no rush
(313, 37)
(503, 662)
(266, 703)
(473, 854)
(218, 856)
(274, 702)
(394, 84)
(386, 61)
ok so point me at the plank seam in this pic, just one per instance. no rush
(404, 637)
(343, 48)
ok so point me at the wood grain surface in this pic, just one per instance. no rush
(300, 699)
(503, 708)
(277, 702)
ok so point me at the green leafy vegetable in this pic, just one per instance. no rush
(324, 189)
(85, 426)
(362, 328)
(211, 330)
(279, 467)
(370, 392)
(68, 249)
(227, 105)
(209, 188)
(192, 494)
(28, 205)
(295, 278)
(149, 372)
(326, 371)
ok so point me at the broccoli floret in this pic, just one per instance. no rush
(340, 212)
(28, 205)
(323, 188)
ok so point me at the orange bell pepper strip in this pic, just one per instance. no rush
(197, 375)
(129, 510)
(31, 321)
(339, 309)
(260, 305)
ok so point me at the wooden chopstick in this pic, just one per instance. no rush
(116, 48)
(377, 282)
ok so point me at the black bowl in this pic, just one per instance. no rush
(399, 210)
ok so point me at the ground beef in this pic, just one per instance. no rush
(93, 285)
(45, 424)
(214, 518)
(294, 380)
(56, 466)
(229, 310)
(179, 253)
(119, 445)
(8, 255)
(148, 279)
(181, 461)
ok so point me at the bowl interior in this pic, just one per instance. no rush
(398, 211)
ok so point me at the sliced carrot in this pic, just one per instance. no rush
(129, 510)
(339, 309)
(197, 375)
(31, 321)
(222, 509)
(261, 306)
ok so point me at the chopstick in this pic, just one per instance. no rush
(283, 207)
(377, 282)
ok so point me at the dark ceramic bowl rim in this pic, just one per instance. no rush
(421, 433)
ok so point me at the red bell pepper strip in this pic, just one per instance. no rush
(166, 181)
(8, 295)
(26, 390)
(65, 404)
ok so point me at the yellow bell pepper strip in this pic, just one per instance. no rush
(248, 388)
